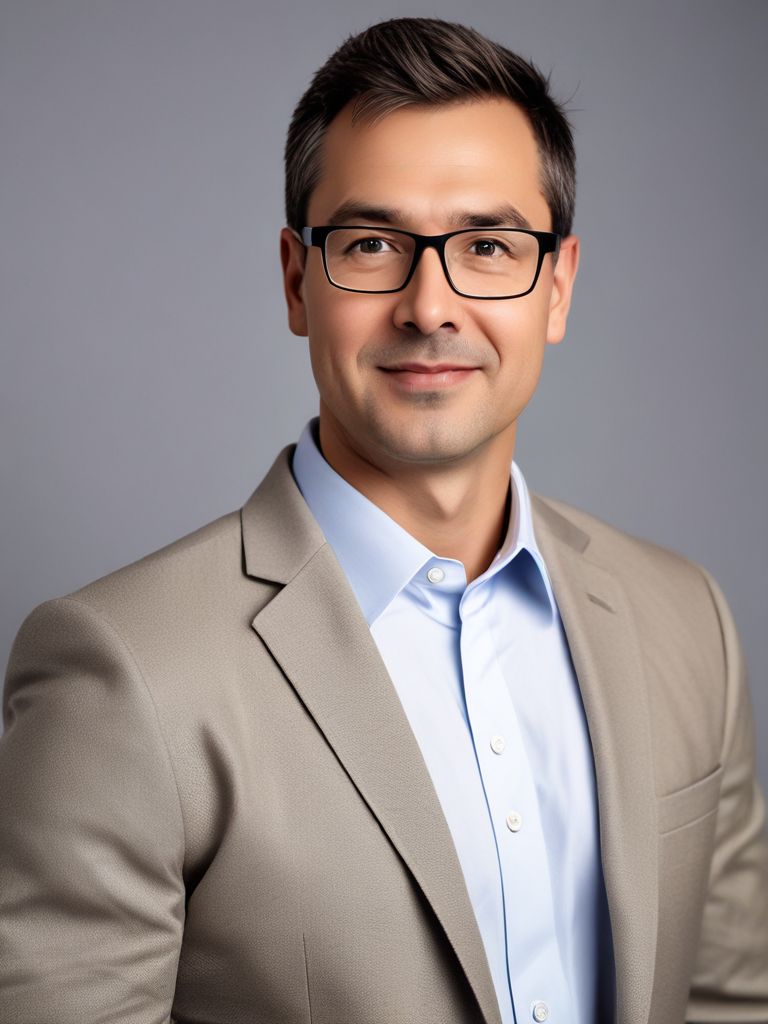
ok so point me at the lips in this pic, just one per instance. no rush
(424, 368)
(408, 378)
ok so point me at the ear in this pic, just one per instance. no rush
(563, 276)
(293, 256)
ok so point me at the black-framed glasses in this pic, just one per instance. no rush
(479, 263)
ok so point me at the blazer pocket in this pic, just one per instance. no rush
(690, 803)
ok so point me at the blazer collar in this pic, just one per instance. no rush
(316, 631)
(280, 534)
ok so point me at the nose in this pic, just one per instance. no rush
(428, 302)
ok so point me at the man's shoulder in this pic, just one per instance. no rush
(183, 586)
(208, 547)
(612, 546)
(664, 586)
(680, 617)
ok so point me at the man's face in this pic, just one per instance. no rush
(431, 165)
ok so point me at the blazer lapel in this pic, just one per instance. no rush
(317, 633)
(608, 662)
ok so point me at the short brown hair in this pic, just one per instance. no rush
(425, 61)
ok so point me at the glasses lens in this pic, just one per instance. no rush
(492, 262)
(367, 260)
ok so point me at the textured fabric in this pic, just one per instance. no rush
(484, 675)
(212, 805)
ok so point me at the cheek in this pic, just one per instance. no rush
(518, 336)
(338, 330)
(517, 331)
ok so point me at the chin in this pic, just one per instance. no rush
(415, 442)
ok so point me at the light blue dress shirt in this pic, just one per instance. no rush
(484, 675)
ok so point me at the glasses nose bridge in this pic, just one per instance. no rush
(424, 242)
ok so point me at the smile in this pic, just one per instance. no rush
(412, 377)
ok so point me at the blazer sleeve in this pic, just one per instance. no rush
(91, 831)
(730, 980)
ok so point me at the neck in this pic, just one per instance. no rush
(458, 510)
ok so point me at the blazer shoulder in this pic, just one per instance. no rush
(184, 579)
(621, 552)
(684, 627)
(669, 592)
(193, 592)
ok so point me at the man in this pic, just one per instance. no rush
(398, 741)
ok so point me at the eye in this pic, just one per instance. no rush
(370, 246)
(489, 247)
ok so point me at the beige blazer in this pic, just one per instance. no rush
(213, 809)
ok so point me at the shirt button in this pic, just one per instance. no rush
(540, 1011)
(497, 744)
(435, 574)
(514, 824)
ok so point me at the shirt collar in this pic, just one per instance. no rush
(378, 556)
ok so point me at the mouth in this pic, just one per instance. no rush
(426, 377)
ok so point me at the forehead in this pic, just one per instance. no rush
(431, 161)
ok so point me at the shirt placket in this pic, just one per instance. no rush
(538, 987)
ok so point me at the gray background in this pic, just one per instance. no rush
(148, 375)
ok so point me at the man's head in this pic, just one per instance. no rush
(426, 126)
(425, 61)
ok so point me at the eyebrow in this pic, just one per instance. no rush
(364, 213)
